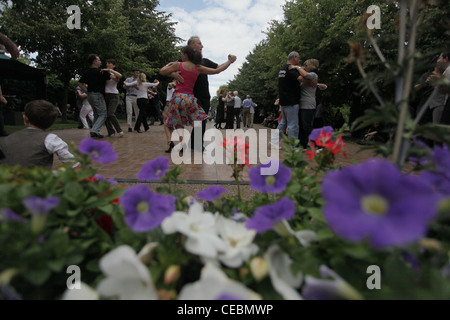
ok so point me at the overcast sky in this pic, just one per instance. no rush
(224, 27)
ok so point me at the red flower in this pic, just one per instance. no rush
(106, 223)
(325, 140)
(92, 179)
(240, 148)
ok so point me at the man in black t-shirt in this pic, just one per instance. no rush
(93, 82)
(201, 89)
(289, 95)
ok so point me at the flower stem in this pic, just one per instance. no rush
(236, 178)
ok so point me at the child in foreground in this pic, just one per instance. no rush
(34, 146)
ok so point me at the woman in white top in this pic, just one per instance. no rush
(142, 100)
(112, 99)
(86, 108)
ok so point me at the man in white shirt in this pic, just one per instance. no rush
(237, 109)
(438, 103)
(131, 100)
(246, 107)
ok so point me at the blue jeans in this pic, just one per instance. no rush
(97, 101)
(289, 120)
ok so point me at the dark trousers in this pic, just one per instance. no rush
(230, 118)
(445, 119)
(112, 101)
(142, 118)
(307, 124)
(220, 117)
(2, 120)
(205, 104)
(237, 114)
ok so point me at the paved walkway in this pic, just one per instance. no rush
(135, 149)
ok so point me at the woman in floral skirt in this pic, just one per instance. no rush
(183, 109)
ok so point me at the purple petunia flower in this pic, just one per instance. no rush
(212, 193)
(441, 160)
(439, 176)
(8, 214)
(331, 288)
(154, 169)
(316, 132)
(99, 177)
(272, 183)
(374, 201)
(9, 293)
(145, 210)
(228, 296)
(100, 151)
(267, 216)
(40, 206)
(440, 183)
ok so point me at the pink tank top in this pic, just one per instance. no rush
(190, 77)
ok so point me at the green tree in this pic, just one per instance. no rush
(323, 29)
(151, 40)
(130, 31)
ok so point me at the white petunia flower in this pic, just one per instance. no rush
(126, 276)
(84, 293)
(305, 237)
(238, 240)
(215, 285)
(200, 229)
(283, 281)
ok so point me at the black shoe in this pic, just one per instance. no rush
(4, 134)
(80, 127)
(171, 146)
(138, 131)
(96, 135)
(130, 130)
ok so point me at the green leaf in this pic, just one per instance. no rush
(37, 277)
(56, 265)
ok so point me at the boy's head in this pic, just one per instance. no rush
(40, 113)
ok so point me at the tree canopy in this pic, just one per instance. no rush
(131, 31)
(323, 29)
(137, 35)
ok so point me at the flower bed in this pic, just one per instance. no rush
(367, 231)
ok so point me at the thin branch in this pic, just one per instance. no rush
(402, 35)
(400, 146)
(378, 51)
(371, 87)
(425, 107)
